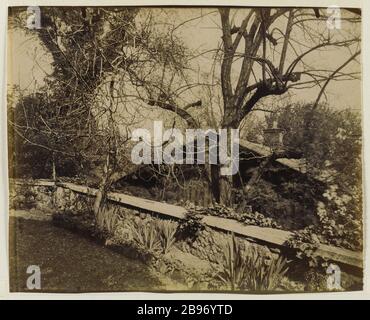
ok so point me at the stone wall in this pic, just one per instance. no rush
(28, 195)
(76, 200)
(209, 244)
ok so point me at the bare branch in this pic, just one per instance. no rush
(332, 76)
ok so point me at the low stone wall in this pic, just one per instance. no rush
(208, 243)
(75, 198)
(194, 262)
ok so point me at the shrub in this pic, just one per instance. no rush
(190, 228)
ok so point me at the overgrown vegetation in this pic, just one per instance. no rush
(324, 205)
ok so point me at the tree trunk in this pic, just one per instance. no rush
(226, 190)
(103, 186)
(98, 200)
(54, 173)
(215, 185)
(225, 182)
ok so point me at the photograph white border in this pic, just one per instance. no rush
(4, 274)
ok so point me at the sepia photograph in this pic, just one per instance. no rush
(185, 149)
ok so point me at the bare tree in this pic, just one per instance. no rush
(86, 47)
(109, 62)
(266, 55)
(277, 73)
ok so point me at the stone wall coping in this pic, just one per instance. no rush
(29, 182)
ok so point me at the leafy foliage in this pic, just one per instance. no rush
(338, 225)
(306, 242)
(290, 204)
(264, 275)
(167, 230)
(106, 220)
(190, 228)
(146, 236)
(247, 217)
(329, 210)
(329, 140)
(234, 267)
(156, 237)
(249, 270)
(340, 217)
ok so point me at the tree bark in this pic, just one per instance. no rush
(103, 186)
(226, 190)
(54, 171)
(226, 182)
